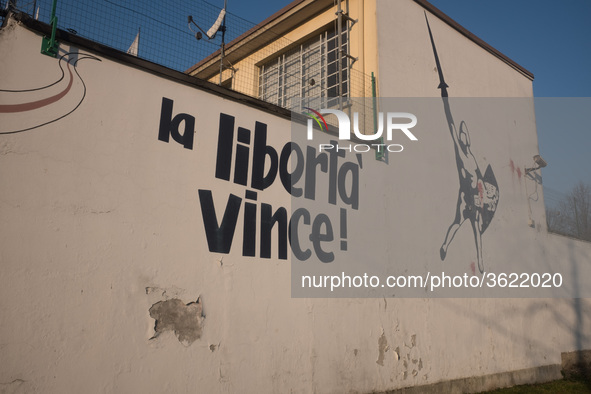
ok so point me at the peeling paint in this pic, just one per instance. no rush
(173, 315)
(15, 386)
(6, 148)
(382, 348)
(15, 381)
(166, 293)
(409, 354)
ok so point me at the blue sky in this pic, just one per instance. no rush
(550, 38)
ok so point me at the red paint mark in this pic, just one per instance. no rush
(473, 268)
(480, 192)
(512, 165)
(519, 173)
(10, 108)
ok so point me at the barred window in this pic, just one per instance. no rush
(309, 71)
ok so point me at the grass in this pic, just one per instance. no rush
(566, 386)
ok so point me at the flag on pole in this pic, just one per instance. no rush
(135, 45)
(216, 26)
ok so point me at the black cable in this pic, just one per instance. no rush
(87, 56)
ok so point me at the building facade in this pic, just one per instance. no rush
(148, 240)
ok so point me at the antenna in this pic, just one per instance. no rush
(219, 25)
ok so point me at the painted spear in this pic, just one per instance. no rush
(442, 85)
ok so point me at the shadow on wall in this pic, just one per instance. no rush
(582, 365)
(576, 363)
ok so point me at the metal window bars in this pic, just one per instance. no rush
(308, 71)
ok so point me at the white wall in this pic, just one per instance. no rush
(101, 220)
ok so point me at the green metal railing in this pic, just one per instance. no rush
(49, 46)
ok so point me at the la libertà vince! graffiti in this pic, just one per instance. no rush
(297, 171)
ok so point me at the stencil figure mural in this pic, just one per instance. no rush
(479, 194)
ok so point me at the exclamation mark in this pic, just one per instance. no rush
(343, 229)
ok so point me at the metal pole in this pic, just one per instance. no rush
(379, 154)
(49, 46)
(223, 43)
(339, 53)
(373, 97)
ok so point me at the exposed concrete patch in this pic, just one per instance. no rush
(382, 348)
(173, 315)
(577, 364)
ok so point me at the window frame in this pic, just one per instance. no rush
(313, 59)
